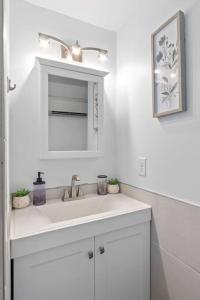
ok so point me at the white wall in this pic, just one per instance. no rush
(171, 144)
(26, 21)
(1, 152)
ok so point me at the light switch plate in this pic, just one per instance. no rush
(142, 166)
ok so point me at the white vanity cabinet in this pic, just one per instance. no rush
(110, 266)
(62, 273)
(71, 110)
(122, 264)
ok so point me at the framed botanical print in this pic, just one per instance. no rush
(168, 67)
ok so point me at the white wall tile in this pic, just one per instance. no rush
(171, 279)
(175, 246)
(148, 198)
(178, 230)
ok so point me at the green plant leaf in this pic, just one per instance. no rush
(21, 193)
(113, 181)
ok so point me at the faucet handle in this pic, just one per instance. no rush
(66, 195)
(74, 193)
(80, 192)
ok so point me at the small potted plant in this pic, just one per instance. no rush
(21, 199)
(113, 186)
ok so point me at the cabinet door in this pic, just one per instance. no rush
(64, 273)
(71, 104)
(122, 264)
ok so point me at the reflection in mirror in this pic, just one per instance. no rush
(71, 107)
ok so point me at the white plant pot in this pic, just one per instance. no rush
(113, 188)
(21, 202)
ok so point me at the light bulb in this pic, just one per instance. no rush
(44, 42)
(76, 49)
(103, 56)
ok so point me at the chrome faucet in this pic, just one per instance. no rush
(73, 192)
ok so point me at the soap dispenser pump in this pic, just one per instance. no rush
(39, 192)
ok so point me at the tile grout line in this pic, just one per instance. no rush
(175, 257)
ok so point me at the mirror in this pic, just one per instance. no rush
(68, 114)
(71, 110)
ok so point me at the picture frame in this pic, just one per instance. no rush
(168, 67)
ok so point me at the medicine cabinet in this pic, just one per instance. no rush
(71, 110)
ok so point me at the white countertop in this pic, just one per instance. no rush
(34, 224)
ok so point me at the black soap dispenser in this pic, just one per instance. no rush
(39, 192)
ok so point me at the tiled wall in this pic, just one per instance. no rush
(175, 246)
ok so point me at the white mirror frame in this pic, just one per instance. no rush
(75, 71)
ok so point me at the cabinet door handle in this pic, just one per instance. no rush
(90, 254)
(101, 250)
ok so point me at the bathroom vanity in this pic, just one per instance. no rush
(93, 248)
(96, 248)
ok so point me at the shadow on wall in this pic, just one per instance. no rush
(24, 113)
(159, 289)
(24, 124)
(159, 285)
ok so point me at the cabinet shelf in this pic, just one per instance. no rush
(67, 113)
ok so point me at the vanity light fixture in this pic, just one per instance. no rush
(102, 56)
(74, 51)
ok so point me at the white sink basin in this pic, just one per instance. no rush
(58, 223)
(63, 211)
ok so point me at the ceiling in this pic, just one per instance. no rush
(109, 14)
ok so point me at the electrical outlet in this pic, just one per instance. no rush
(142, 166)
